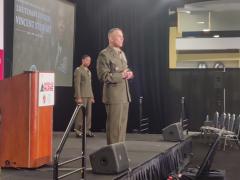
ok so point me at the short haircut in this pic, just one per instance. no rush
(85, 56)
(112, 30)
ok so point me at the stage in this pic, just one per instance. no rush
(150, 158)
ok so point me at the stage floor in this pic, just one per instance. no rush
(140, 147)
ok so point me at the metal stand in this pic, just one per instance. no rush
(224, 94)
(220, 90)
(143, 122)
(183, 119)
(62, 143)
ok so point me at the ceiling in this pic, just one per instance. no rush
(215, 5)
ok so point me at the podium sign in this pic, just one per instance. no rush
(46, 89)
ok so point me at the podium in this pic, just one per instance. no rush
(25, 125)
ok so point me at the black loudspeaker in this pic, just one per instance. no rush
(173, 132)
(110, 159)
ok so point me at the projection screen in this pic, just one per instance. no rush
(43, 38)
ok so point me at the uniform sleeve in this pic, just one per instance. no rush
(77, 79)
(104, 71)
(92, 95)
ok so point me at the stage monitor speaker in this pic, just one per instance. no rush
(110, 159)
(173, 132)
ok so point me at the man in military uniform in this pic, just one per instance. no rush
(112, 70)
(83, 95)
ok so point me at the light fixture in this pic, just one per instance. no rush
(206, 30)
(216, 36)
(200, 22)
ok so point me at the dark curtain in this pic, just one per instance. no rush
(8, 36)
(162, 165)
(145, 26)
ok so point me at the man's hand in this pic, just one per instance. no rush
(92, 100)
(129, 75)
(126, 74)
(79, 100)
